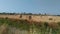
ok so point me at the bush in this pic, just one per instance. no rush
(6, 18)
(50, 19)
(46, 24)
(30, 17)
(20, 16)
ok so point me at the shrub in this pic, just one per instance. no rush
(20, 16)
(46, 24)
(30, 17)
(50, 19)
(6, 18)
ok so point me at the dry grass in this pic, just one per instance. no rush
(34, 18)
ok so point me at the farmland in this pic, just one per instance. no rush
(14, 26)
(36, 18)
(17, 24)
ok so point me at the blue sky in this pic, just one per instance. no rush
(32, 6)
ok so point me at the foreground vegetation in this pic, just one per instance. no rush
(31, 27)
